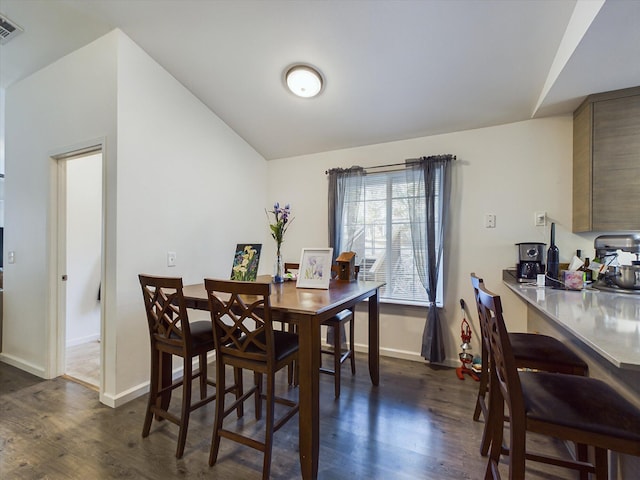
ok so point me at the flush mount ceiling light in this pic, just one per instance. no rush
(303, 80)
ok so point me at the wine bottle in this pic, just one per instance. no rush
(553, 260)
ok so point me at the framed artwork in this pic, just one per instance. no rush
(315, 268)
(245, 262)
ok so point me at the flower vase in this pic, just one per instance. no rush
(278, 270)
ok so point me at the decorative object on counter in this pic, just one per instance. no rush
(278, 229)
(245, 262)
(553, 260)
(346, 262)
(465, 358)
(573, 279)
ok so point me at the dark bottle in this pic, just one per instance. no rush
(553, 260)
(587, 271)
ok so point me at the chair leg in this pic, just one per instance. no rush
(219, 413)
(602, 464)
(237, 378)
(153, 391)
(352, 341)
(483, 387)
(186, 406)
(203, 375)
(517, 449)
(257, 379)
(494, 430)
(483, 390)
(582, 454)
(337, 353)
(268, 437)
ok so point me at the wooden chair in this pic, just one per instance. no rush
(338, 324)
(572, 408)
(244, 338)
(171, 334)
(530, 350)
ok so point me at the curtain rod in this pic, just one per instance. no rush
(403, 164)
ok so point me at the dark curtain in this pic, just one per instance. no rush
(429, 180)
(343, 183)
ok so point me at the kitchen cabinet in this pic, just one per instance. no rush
(606, 162)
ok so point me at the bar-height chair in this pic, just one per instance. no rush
(530, 350)
(338, 324)
(572, 408)
(171, 334)
(244, 338)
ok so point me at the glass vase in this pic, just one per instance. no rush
(278, 270)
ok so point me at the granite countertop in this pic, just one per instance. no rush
(607, 322)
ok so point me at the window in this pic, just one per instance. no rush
(377, 226)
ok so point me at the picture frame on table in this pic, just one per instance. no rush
(315, 268)
(245, 262)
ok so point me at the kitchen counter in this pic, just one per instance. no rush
(601, 327)
(608, 323)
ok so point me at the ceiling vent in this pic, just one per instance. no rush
(8, 29)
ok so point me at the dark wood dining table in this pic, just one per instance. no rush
(308, 308)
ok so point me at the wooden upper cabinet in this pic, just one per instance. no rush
(606, 162)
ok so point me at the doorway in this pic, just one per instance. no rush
(80, 234)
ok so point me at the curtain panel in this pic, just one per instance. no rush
(429, 179)
(341, 181)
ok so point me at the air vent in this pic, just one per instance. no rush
(8, 29)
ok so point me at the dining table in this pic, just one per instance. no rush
(307, 308)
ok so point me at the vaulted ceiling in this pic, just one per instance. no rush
(394, 70)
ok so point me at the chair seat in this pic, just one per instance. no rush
(581, 403)
(201, 332)
(285, 344)
(531, 348)
(339, 318)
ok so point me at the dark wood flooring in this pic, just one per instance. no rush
(417, 424)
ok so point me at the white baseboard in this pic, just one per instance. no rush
(406, 355)
(79, 341)
(115, 401)
(136, 391)
(23, 365)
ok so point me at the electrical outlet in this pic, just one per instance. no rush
(541, 219)
(490, 220)
(171, 259)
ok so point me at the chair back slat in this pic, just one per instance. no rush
(502, 361)
(241, 317)
(476, 283)
(166, 311)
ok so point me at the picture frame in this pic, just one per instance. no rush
(245, 262)
(315, 268)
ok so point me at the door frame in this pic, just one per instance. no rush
(56, 327)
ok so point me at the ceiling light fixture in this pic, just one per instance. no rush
(303, 80)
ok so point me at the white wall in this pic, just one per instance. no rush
(186, 183)
(53, 110)
(84, 248)
(176, 178)
(510, 170)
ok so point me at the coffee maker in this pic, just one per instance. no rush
(530, 260)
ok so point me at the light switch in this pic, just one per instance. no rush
(490, 220)
(171, 259)
(541, 219)
(11, 257)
